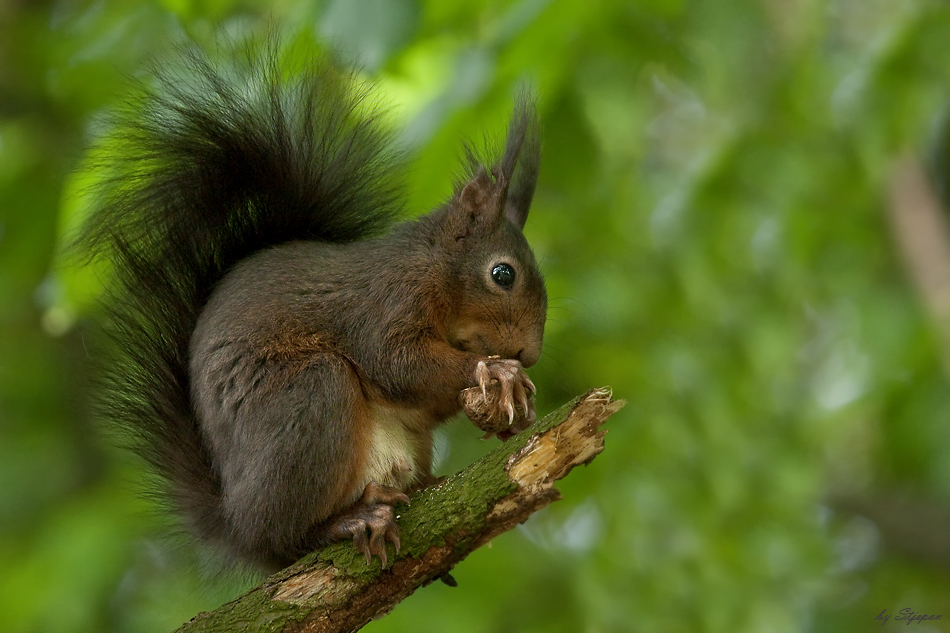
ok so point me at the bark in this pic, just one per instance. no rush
(335, 590)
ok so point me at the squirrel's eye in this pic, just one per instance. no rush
(503, 275)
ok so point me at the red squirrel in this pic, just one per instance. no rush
(284, 347)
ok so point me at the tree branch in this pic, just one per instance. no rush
(920, 227)
(335, 590)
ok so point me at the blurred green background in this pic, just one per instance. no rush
(724, 244)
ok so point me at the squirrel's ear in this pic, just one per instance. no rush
(521, 161)
(476, 193)
(479, 204)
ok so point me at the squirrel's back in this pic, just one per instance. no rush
(204, 169)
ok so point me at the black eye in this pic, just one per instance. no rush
(503, 275)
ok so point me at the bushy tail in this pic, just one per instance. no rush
(201, 171)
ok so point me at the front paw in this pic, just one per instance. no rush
(502, 402)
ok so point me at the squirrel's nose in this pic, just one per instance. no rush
(528, 356)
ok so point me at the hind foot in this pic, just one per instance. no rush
(371, 521)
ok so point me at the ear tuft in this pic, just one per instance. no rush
(505, 189)
(521, 160)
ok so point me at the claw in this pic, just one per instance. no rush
(392, 535)
(483, 377)
(528, 383)
(377, 545)
(522, 398)
(362, 545)
(531, 417)
(507, 394)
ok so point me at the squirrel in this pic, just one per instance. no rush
(284, 343)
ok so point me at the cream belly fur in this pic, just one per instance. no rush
(394, 447)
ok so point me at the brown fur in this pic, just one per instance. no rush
(405, 319)
(281, 343)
